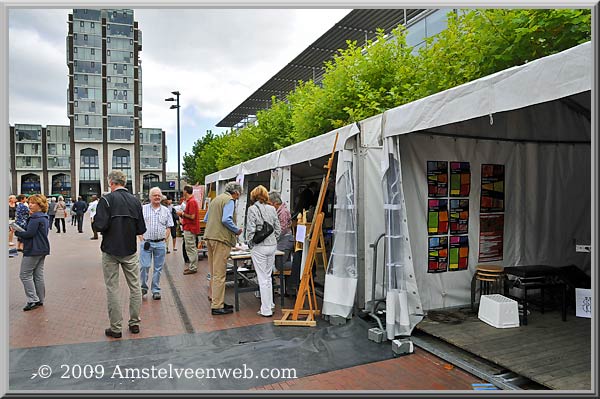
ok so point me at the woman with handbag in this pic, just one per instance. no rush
(262, 232)
(60, 213)
(35, 249)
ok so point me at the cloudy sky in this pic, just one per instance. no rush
(216, 58)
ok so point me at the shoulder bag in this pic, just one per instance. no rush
(267, 230)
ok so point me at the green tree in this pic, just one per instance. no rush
(362, 81)
(190, 161)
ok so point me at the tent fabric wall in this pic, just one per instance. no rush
(341, 277)
(545, 79)
(403, 302)
(547, 206)
(371, 223)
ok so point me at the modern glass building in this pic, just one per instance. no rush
(104, 107)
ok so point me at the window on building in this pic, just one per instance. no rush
(76, 103)
(92, 51)
(107, 52)
(85, 38)
(108, 39)
(130, 41)
(75, 50)
(125, 106)
(82, 24)
(75, 36)
(124, 80)
(121, 161)
(108, 78)
(89, 166)
(150, 181)
(124, 67)
(108, 106)
(92, 25)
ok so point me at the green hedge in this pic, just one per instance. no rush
(362, 81)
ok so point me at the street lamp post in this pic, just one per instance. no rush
(176, 93)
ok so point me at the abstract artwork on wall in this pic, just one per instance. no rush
(437, 216)
(437, 178)
(460, 179)
(492, 188)
(438, 255)
(459, 216)
(459, 253)
(491, 237)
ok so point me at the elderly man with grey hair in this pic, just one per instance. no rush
(158, 222)
(220, 235)
(120, 220)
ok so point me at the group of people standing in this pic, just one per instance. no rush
(128, 227)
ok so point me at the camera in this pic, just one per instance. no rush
(146, 245)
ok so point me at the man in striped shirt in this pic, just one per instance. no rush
(159, 222)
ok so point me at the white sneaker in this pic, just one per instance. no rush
(264, 315)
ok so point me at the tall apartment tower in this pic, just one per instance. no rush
(105, 104)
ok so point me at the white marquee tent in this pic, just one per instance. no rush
(534, 119)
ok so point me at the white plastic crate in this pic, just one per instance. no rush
(499, 311)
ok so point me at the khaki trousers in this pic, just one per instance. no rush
(191, 249)
(218, 253)
(131, 270)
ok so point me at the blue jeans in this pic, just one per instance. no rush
(157, 251)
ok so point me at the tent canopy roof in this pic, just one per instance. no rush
(559, 85)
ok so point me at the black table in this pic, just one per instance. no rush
(536, 277)
(252, 287)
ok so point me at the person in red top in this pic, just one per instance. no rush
(190, 224)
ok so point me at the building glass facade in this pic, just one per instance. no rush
(104, 104)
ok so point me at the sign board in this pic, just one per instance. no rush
(198, 193)
(583, 302)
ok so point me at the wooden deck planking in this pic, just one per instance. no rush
(549, 351)
(578, 382)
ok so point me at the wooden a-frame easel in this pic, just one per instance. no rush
(307, 284)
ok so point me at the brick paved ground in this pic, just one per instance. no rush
(420, 371)
(75, 312)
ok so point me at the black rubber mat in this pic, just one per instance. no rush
(128, 364)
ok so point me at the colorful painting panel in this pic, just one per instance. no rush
(438, 255)
(437, 216)
(459, 253)
(437, 178)
(459, 216)
(460, 179)
(492, 188)
(491, 237)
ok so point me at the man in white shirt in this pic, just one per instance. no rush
(159, 222)
(92, 209)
